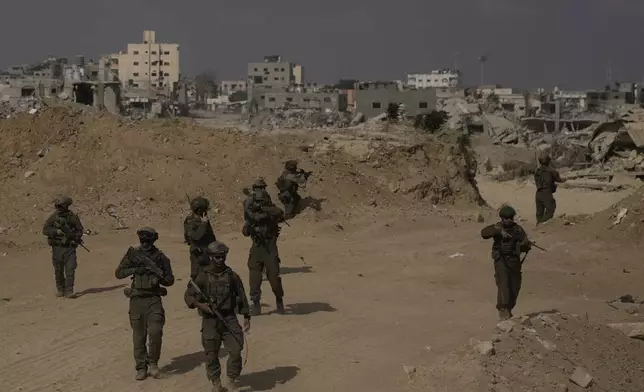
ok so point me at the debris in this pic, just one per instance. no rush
(29, 174)
(485, 348)
(620, 216)
(548, 345)
(410, 371)
(561, 388)
(43, 151)
(632, 330)
(506, 325)
(455, 255)
(581, 377)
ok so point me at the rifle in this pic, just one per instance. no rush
(537, 246)
(214, 309)
(69, 235)
(139, 258)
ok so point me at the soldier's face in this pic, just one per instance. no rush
(218, 261)
(507, 221)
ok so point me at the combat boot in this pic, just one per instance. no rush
(154, 370)
(60, 293)
(216, 386)
(70, 293)
(141, 374)
(280, 305)
(504, 314)
(232, 385)
(256, 308)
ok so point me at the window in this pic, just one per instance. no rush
(166, 63)
(136, 63)
(422, 105)
(257, 79)
(306, 99)
(154, 74)
(135, 85)
(146, 52)
(255, 69)
(327, 99)
(262, 97)
(376, 105)
(166, 53)
(154, 84)
(289, 99)
(276, 78)
(271, 99)
(277, 69)
(166, 74)
(155, 63)
(154, 52)
(265, 69)
(136, 52)
(135, 74)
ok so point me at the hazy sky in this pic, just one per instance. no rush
(529, 43)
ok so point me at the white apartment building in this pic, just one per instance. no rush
(227, 87)
(440, 78)
(149, 65)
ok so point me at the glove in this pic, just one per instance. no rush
(246, 231)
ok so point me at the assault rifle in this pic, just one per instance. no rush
(137, 257)
(69, 234)
(214, 309)
(537, 246)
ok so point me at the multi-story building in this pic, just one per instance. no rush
(149, 65)
(306, 100)
(273, 72)
(227, 87)
(440, 78)
(373, 98)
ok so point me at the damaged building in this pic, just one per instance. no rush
(373, 98)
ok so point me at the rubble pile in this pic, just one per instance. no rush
(141, 171)
(300, 119)
(22, 105)
(560, 352)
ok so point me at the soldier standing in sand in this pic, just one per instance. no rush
(545, 178)
(510, 240)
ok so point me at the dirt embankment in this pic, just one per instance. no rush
(145, 170)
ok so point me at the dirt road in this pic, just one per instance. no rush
(362, 302)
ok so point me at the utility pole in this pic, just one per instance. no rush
(482, 60)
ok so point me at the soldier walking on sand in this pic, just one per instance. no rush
(510, 240)
(149, 269)
(218, 297)
(198, 233)
(263, 228)
(64, 233)
(545, 178)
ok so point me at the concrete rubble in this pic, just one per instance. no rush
(293, 118)
(9, 107)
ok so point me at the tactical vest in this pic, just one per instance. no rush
(220, 289)
(507, 247)
(61, 220)
(147, 281)
(543, 180)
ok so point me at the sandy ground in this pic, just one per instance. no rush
(382, 293)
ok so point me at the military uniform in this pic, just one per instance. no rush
(545, 179)
(509, 241)
(225, 289)
(259, 187)
(288, 184)
(263, 228)
(147, 316)
(197, 233)
(63, 248)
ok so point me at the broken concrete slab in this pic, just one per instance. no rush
(506, 325)
(485, 348)
(632, 330)
(581, 377)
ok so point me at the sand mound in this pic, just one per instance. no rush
(144, 171)
(549, 350)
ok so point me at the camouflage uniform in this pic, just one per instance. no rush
(259, 187)
(63, 249)
(288, 184)
(262, 226)
(147, 316)
(545, 179)
(225, 288)
(197, 234)
(509, 241)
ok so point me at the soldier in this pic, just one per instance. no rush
(149, 269)
(509, 241)
(262, 226)
(546, 178)
(259, 185)
(64, 232)
(223, 287)
(197, 232)
(288, 184)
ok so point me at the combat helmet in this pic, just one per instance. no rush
(217, 248)
(63, 201)
(147, 234)
(507, 212)
(199, 203)
(259, 183)
(290, 164)
(544, 158)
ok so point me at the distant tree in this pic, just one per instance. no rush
(432, 121)
(392, 112)
(205, 85)
(238, 96)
